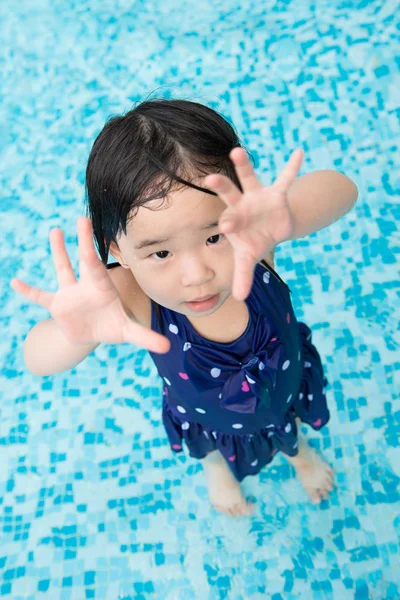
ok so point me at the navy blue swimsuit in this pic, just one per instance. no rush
(242, 397)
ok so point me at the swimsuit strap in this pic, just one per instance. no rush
(158, 313)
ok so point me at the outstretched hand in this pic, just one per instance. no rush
(256, 219)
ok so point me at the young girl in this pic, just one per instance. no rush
(173, 197)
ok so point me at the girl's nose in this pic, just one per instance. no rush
(195, 273)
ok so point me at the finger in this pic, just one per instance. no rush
(229, 221)
(244, 170)
(290, 171)
(243, 275)
(90, 266)
(137, 334)
(31, 293)
(224, 187)
(65, 273)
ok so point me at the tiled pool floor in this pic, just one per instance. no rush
(92, 502)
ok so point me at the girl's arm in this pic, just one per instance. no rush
(318, 199)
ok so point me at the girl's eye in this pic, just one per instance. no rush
(215, 236)
(162, 258)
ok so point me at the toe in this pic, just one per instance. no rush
(251, 508)
(247, 509)
(236, 510)
(232, 511)
(239, 509)
(327, 484)
(222, 509)
(315, 496)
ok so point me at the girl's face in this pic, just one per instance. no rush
(194, 260)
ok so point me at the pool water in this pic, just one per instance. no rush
(93, 504)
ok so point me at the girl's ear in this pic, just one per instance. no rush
(117, 254)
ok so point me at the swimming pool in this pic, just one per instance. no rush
(92, 502)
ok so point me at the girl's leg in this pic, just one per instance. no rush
(313, 472)
(223, 489)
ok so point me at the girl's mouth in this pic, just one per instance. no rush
(204, 304)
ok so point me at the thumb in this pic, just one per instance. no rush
(146, 338)
(228, 221)
(243, 275)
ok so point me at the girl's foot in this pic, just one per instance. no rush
(223, 489)
(312, 471)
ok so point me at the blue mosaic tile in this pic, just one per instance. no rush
(92, 502)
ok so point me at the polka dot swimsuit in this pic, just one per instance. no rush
(242, 397)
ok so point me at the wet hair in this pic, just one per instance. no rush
(157, 147)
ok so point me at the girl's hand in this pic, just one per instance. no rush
(88, 311)
(257, 219)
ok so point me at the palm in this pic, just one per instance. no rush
(86, 312)
(268, 222)
(256, 219)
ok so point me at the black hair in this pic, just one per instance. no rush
(159, 145)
